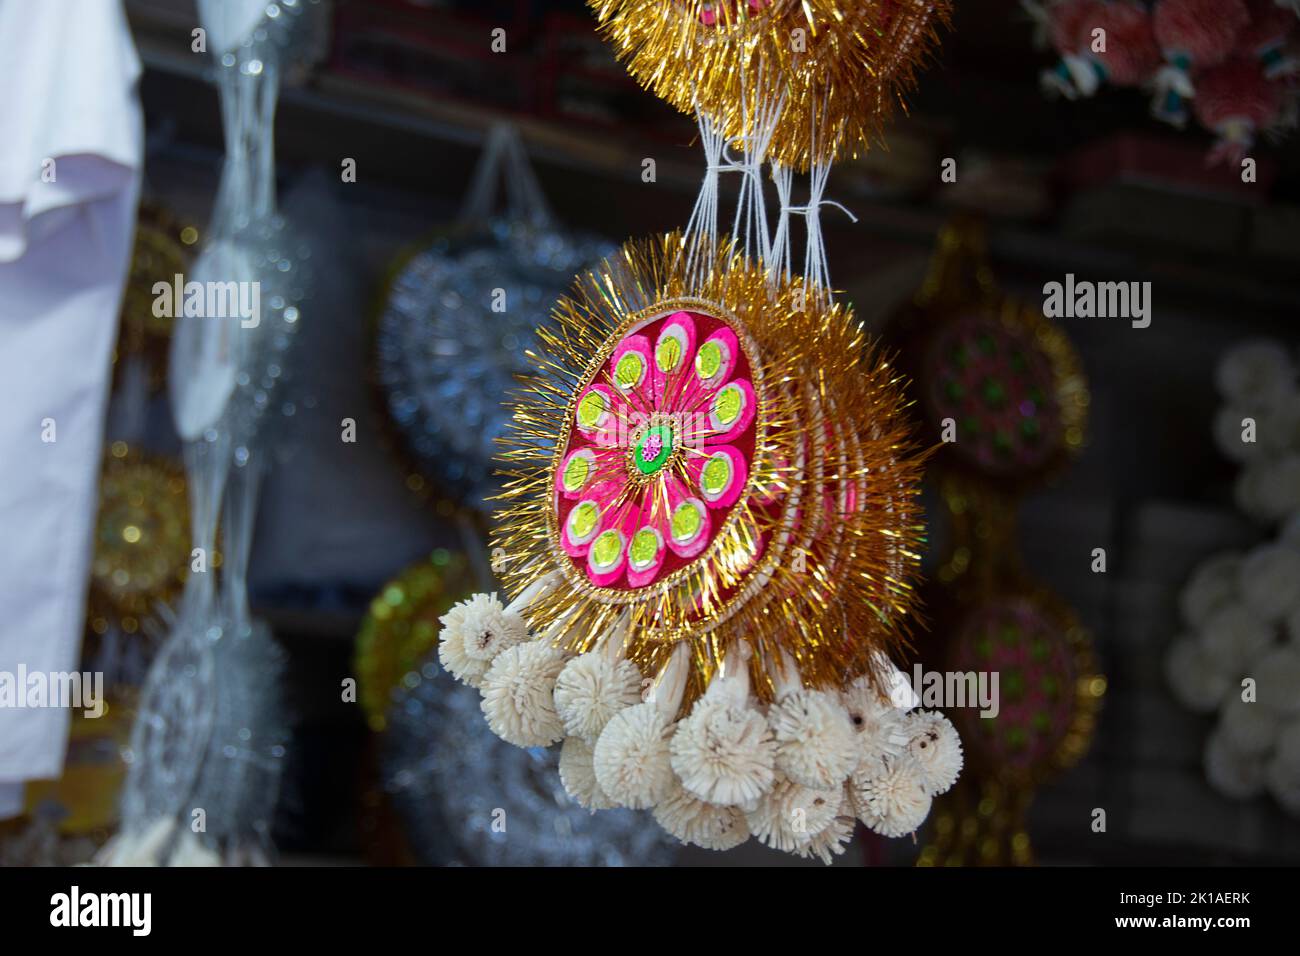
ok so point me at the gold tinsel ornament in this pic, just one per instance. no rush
(142, 543)
(806, 520)
(837, 69)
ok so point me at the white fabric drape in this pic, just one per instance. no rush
(68, 69)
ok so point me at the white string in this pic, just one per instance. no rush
(504, 156)
(816, 268)
(701, 233)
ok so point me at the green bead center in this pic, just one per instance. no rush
(654, 449)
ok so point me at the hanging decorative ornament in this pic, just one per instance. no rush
(1100, 43)
(827, 73)
(1236, 101)
(711, 490)
(1193, 35)
(161, 252)
(1047, 702)
(210, 731)
(402, 627)
(142, 541)
(1001, 387)
(458, 316)
(1227, 63)
(453, 782)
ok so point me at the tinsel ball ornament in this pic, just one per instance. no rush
(837, 70)
(162, 250)
(1048, 686)
(142, 539)
(708, 464)
(1000, 386)
(468, 798)
(402, 627)
(457, 317)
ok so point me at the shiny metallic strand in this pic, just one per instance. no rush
(831, 413)
(856, 62)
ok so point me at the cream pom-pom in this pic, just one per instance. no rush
(724, 751)
(1234, 774)
(706, 825)
(934, 744)
(1249, 727)
(889, 796)
(1269, 581)
(1232, 637)
(1288, 744)
(518, 695)
(815, 743)
(591, 689)
(1283, 780)
(1274, 490)
(1277, 679)
(1255, 374)
(1194, 678)
(878, 724)
(474, 632)
(830, 842)
(1212, 585)
(1228, 430)
(578, 775)
(790, 814)
(631, 757)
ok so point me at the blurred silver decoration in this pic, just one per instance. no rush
(460, 313)
(468, 798)
(210, 731)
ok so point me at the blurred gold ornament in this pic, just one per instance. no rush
(160, 253)
(142, 540)
(837, 67)
(782, 516)
(402, 626)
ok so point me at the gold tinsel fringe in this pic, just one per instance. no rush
(842, 67)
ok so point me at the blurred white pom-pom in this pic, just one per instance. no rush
(1255, 374)
(1230, 428)
(1233, 774)
(518, 695)
(1232, 637)
(1248, 727)
(1277, 679)
(1193, 676)
(1283, 781)
(1269, 581)
(1212, 585)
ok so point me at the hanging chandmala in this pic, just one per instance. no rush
(710, 525)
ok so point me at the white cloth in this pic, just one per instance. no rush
(68, 69)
